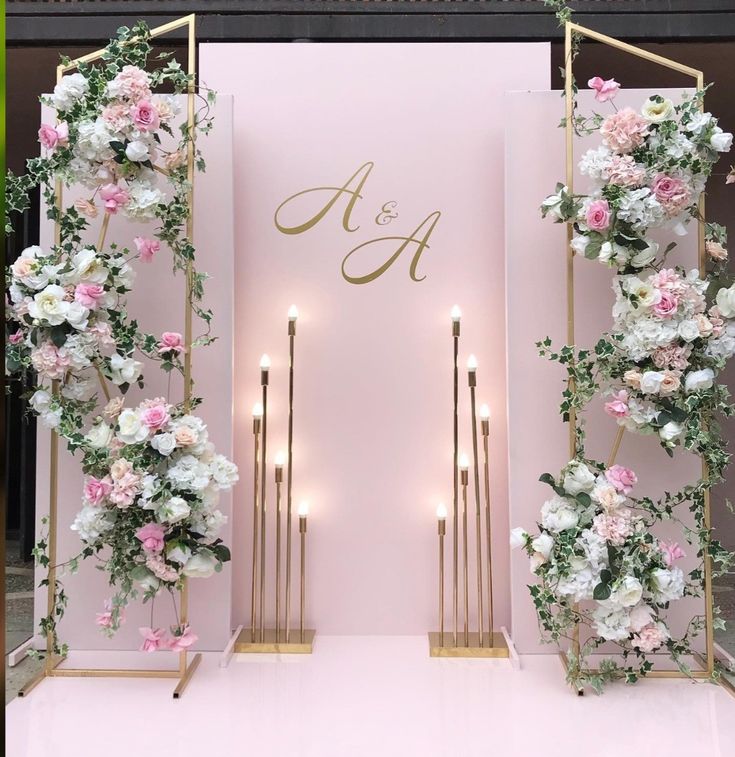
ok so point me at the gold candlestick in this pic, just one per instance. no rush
(265, 364)
(279, 481)
(441, 514)
(472, 381)
(456, 318)
(485, 427)
(257, 416)
(303, 512)
(293, 315)
(464, 474)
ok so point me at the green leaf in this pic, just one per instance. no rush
(602, 592)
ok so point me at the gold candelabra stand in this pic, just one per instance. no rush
(258, 638)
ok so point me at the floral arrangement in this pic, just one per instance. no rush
(598, 562)
(149, 506)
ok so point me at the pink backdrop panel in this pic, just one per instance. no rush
(536, 270)
(158, 303)
(373, 428)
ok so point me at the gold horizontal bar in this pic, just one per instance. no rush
(157, 32)
(190, 669)
(30, 685)
(698, 674)
(269, 645)
(494, 646)
(112, 673)
(625, 47)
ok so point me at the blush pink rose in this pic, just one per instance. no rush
(155, 416)
(671, 552)
(145, 116)
(666, 306)
(153, 639)
(151, 535)
(598, 215)
(605, 89)
(96, 489)
(52, 137)
(182, 639)
(171, 341)
(624, 131)
(147, 248)
(617, 407)
(672, 193)
(114, 197)
(16, 338)
(89, 295)
(622, 478)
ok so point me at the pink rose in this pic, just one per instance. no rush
(666, 306)
(598, 215)
(618, 405)
(89, 295)
(153, 639)
(155, 417)
(605, 89)
(96, 489)
(671, 552)
(114, 197)
(624, 131)
(174, 160)
(152, 536)
(145, 116)
(146, 248)
(715, 250)
(672, 193)
(22, 267)
(54, 136)
(622, 478)
(182, 638)
(16, 338)
(171, 341)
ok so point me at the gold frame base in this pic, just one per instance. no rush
(271, 645)
(496, 646)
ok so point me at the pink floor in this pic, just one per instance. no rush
(368, 697)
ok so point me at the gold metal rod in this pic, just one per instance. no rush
(442, 532)
(52, 520)
(256, 465)
(616, 446)
(186, 677)
(488, 528)
(278, 557)
(112, 673)
(465, 572)
(103, 384)
(183, 619)
(103, 232)
(302, 530)
(455, 491)
(263, 511)
(478, 517)
(289, 474)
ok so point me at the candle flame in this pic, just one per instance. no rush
(303, 509)
(441, 512)
(464, 461)
(293, 313)
(456, 313)
(257, 410)
(484, 412)
(265, 362)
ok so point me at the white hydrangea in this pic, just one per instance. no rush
(93, 141)
(189, 474)
(92, 522)
(70, 89)
(611, 622)
(640, 209)
(667, 585)
(558, 514)
(595, 163)
(144, 198)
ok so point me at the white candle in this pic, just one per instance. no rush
(293, 313)
(265, 363)
(471, 363)
(456, 313)
(441, 512)
(257, 410)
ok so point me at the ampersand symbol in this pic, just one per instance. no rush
(387, 213)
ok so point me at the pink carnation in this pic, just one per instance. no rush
(96, 489)
(624, 131)
(160, 569)
(89, 295)
(153, 639)
(16, 338)
(114, 197)
(671, 552)
(146, 248)
(622, 478)
(618, 405)
(598, 215)
(52, 137)
(145, 116)
(171, 341)
(672, 193)
(605, 89)
(104, 619)
(152, 536)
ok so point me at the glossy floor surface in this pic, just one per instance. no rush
(368, 697)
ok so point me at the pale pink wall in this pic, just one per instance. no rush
(158, 303)
(373, 391)
(538, 442)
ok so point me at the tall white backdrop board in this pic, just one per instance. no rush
(369, 192)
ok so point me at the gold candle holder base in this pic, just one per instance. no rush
(269, 645)
(494, 645)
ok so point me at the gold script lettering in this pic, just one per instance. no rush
(421, 242)
(354, 195)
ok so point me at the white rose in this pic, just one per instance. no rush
(149, 583)
(49, 305)
(131, 428)
(200, 565)
(51, 418)
(640, 616)
(646, 294)
(725, 302)
(651, 382)
(671, 431)
(689, 330)
(542, 545)
(698, 122)
(657, 111)
(696, 380)
(578, 478)
(174, 510)
(557, 514)
(179, 553)
(643, 257)
(77, 316)
(579, 244)
(137, 151)
(88, 268)
(99, 436)
(124, 370)
(667, 585)
(40, 401)
(628, 592)
(164, 443)
(518, 537)
(720, 140)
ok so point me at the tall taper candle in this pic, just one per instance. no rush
(472, 381)
(464, 465)
(257, 417)
(265, 364)
(441, 514)
(279, 480)
(303, 512)
(293, 315)
(485, 425)
(456, 318)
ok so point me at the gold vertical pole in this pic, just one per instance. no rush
(289, 473)
(485, 426)
(253, 608)
(472, 381)
(279, 481)
(455, 472)
(442, 532)
(465, 480)
(264, 383)
(302, 533)
(53, 515)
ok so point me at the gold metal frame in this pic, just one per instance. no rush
(185, 668)
(707, 661)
